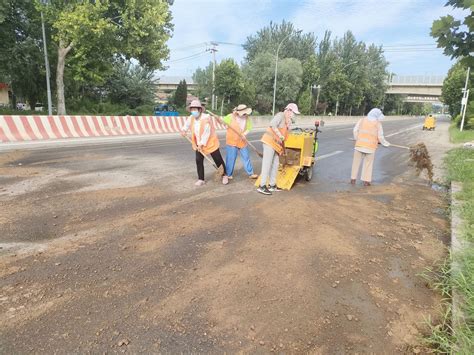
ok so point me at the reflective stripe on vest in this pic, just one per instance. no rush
(271, 139)
(368, 134)
(213, 142)
(233, 138)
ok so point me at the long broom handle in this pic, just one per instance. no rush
(205, 156)
(238, 133)
(391, 145)
(399, 146)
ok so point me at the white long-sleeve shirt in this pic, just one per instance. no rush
(200, 139)
(380, 135)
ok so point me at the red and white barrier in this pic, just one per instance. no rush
(30, 128)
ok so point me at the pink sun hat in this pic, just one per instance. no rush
(293, 107)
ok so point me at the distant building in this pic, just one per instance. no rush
(166, 85)
(4, 98)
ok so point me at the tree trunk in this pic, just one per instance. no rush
(62, 52)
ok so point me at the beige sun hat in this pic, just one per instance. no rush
(195, 104)
(243, 109)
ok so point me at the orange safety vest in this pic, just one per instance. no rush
(368, 135)
(213, 142)
(271, 139)
(232, 138)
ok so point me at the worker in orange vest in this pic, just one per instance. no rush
(238, 121)
(204, 140)
(273, 141)
(368, 133)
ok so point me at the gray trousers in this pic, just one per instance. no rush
(269, 165)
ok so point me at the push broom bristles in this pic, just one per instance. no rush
(421, 158)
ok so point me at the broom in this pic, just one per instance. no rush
(420, 156)
(219, 170)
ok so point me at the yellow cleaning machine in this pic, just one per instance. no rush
(430, 123)
(299, 156)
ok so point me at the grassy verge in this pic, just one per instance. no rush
(457, 273)
(460, 137)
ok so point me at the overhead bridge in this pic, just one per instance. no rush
(417, 88)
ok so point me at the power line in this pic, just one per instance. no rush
(205, 44)
(192, 56)
(191, 46)
(412, 50)
(230, 44)
(409, 45)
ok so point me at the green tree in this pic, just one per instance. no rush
(262, 73)
(203, 80)
(21, 50)
(181, 94)
(351, 54)
(451, 93)
(304, 103)
(290, 78)
(296, 45)
(311, 72)
(376, 70)
(131, 85)
(248, 95)
(456, 36)
(229, 81)
(393, 104)
(333, 83)
(92, 33)
(351, 75)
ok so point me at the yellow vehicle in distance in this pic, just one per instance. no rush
(430, 123)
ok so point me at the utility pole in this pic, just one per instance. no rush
(213, 50)
(46, 64)
(314, 86)
(317, 98)
(465, 98)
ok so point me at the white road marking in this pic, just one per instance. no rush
(324, 156)
(404, 130)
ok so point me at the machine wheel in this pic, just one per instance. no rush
(308, 173)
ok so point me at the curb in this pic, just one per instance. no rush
(456, 247)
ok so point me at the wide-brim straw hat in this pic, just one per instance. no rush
(195, 104)
(243, 109)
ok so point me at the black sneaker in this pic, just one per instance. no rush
(264, 190)
(274, 188)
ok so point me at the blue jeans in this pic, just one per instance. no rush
(231, 157)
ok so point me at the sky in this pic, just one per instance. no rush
(401, 26)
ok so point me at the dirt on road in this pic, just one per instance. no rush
(90, 267)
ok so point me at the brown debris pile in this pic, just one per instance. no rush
(421, 158)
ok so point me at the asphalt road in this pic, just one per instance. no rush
(331, 171)
(107, 246)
